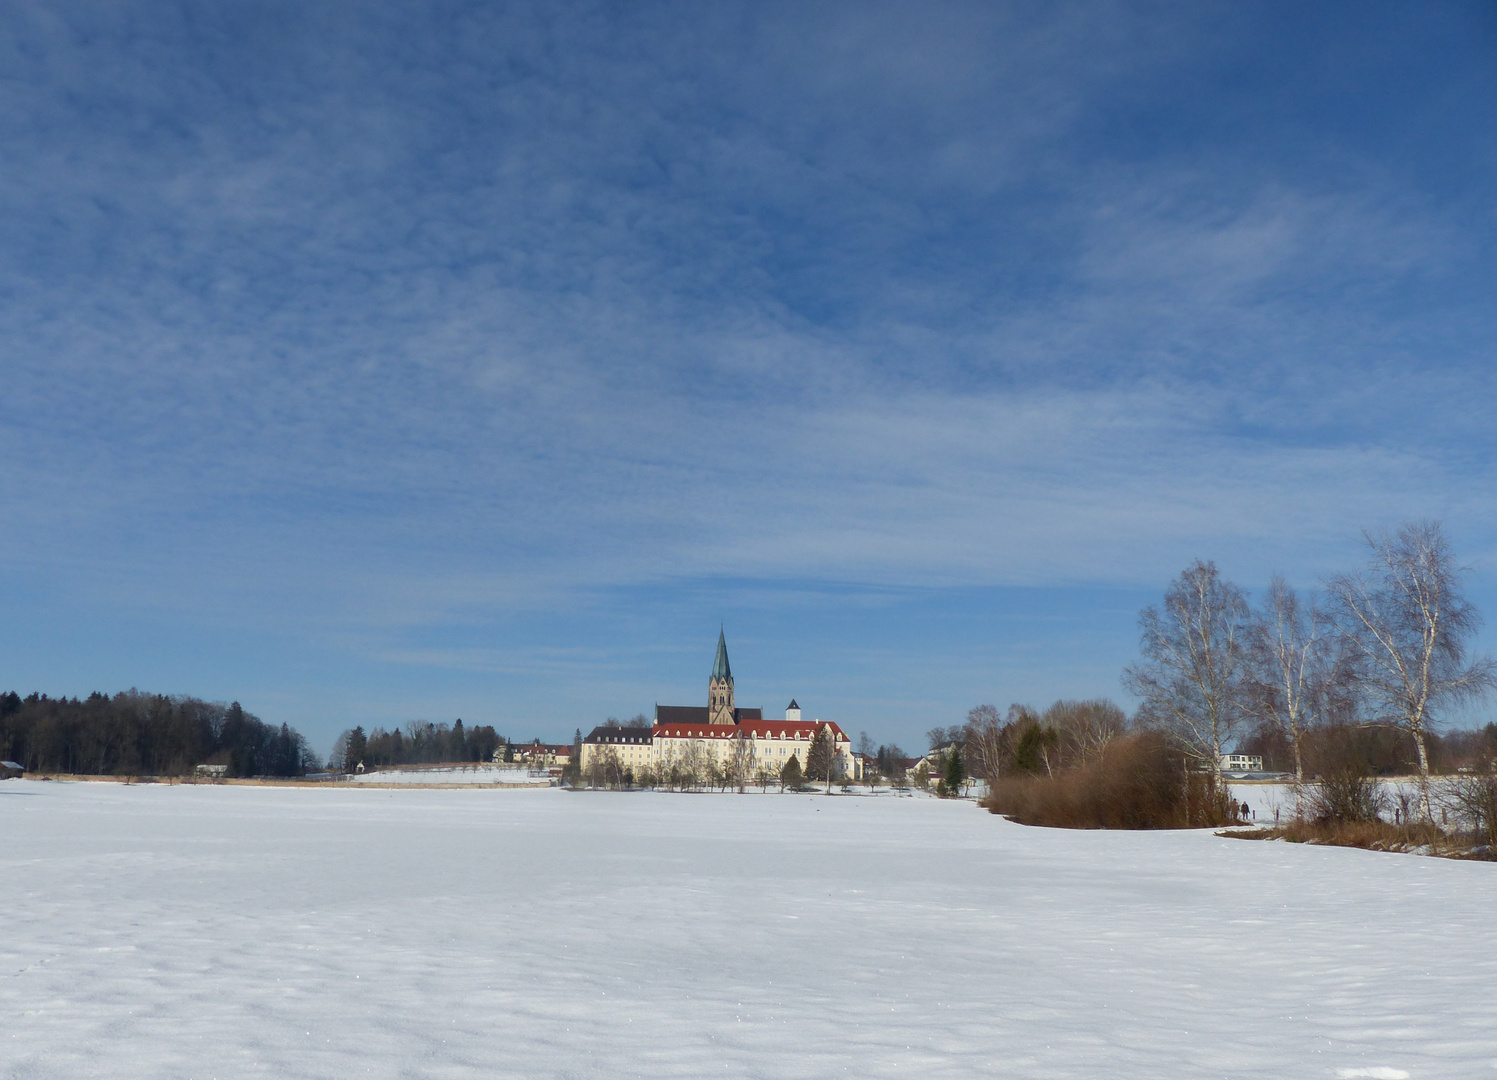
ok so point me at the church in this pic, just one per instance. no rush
(715, 736)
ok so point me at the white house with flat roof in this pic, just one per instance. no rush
(1241, 763)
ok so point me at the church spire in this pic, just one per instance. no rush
(720, 708)
(720, 668)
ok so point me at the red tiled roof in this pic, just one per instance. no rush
(762, 729)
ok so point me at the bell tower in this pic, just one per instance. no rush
(720, 687)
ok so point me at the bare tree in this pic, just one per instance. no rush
(690, 765)
(1192, 676)
(1293, 664)
(1408, 627)
(940, 737)
(821, 758)
(742, 766)
(866, 755)
(605, 769)
(338, 760)
(1472, 798)
(1084, 728)
(987, 743)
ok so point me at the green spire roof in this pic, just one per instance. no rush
(720, 668)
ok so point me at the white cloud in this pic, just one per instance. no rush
(400, 326)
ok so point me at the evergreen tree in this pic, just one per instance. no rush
(357, 746)
(790, 774)
(150, 734)
(1033, 752)
(955, 774)
(891, 762)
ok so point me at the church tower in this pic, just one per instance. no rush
(720, 687)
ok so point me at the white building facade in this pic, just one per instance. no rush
(1241, 763)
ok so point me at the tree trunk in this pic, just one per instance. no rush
(1423, 777)
(1299, 778)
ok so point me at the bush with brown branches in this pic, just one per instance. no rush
(1347, 795)
(1136, 782)
(1472, 800)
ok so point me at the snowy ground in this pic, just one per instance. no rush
(200, 931)
(454, 774)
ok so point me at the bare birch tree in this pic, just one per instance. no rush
(1291, 654)
(1408, 627)
(987, 744)
(605, 769)
(745, 753)
(1192, 676)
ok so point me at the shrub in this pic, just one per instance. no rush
(1139, 782)
(1371, 835)
(1473, 800)
(1344, 796)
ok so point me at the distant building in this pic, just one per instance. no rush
(633, 746)
(930, 767)
(1241, 763)
(717, 733)
(213, 772)
(544, 755)
(11, 769)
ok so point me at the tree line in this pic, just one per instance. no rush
(1345, 682)
(420, 742)
(1069, 734)
(1385, 646)
(139, 734)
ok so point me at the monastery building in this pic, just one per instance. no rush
(717, 733)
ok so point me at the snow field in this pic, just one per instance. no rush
(201, 931)
(452, 774)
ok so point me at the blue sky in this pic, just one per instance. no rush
(372, 362)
